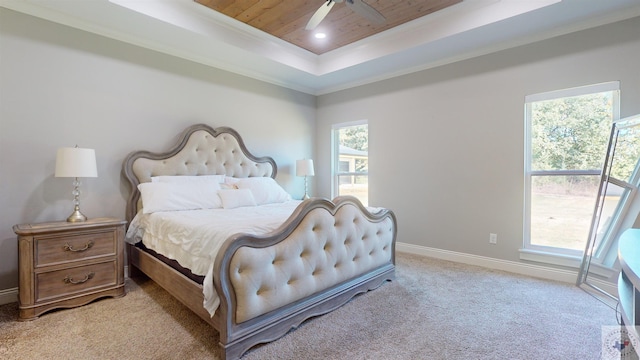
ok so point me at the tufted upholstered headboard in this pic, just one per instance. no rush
(201, 150)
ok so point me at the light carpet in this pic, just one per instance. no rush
(434, 310)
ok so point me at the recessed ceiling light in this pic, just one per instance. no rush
(320, 35)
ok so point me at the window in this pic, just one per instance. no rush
(351, 160)
(620, 182)
(567, 133)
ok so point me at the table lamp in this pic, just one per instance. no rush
(76, 162)
(304, 168)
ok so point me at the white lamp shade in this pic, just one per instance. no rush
(76, 162)
(304, 167)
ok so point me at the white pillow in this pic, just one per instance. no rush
(265, 190)
(225, 186)
(188, 178)
(232, 199)
(231, 180)
(161, 196)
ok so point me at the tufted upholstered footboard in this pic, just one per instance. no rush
(326, 253)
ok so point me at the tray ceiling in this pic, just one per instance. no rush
(457, 30)
(286, 19)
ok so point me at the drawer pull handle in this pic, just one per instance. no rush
(87, 246)
(69, 280)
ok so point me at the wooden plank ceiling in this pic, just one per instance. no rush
(286, 19)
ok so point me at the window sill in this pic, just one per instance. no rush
(570, 261)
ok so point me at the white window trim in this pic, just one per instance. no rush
(335, 150)
(543, 254)
(576, 91)
(569, 261)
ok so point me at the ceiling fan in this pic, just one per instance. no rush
(358, 6)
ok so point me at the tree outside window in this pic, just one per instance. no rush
(567, 142)
(351, 159)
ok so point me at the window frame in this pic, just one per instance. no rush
(629, 190)
(540, 252)
(336, 173)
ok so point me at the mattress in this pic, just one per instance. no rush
(193, 237)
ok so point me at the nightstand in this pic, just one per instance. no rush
(64, 264)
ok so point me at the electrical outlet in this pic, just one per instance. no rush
(493, 238)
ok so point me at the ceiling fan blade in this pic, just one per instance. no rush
(319, 15)
(367, 11)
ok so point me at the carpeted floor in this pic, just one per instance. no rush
(434, 310)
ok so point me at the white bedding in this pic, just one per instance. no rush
(193, 237)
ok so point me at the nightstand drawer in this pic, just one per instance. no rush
(75, 280)
(66, 247)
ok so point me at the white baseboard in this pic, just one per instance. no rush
(538, 271)
(8, 296)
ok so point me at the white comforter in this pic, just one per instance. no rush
(193, 237)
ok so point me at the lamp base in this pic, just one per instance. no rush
(306, 196)
(76, 216)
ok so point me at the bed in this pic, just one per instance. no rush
(267, 282)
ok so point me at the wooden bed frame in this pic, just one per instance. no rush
(361, 244)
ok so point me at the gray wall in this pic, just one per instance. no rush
(61, 87)
(446, 145)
